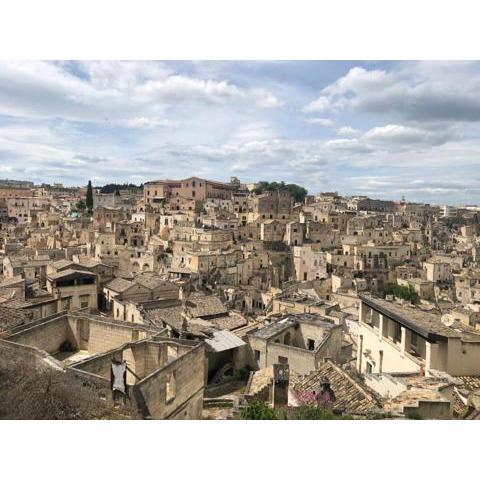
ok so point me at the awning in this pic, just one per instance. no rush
(224, 340)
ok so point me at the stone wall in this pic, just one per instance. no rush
(47, 336)
(188, 369)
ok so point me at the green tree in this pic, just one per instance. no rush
(297, 192)
(80, 206)
(89, 199)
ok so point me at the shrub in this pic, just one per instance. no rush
(257, 410)
(312, 413)
(407, 293)
(32, 393)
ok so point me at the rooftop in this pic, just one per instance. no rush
(425, 323)
(351, 395)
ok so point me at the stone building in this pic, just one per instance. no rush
(303, 341)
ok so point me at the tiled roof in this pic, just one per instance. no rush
(470, 382)
(152, 282)
(62, 264)
(351, 396)
(198, 306)
(230, 321)
(119, 285)
(202, 305)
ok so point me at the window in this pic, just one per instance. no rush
(257, 355)
(398, 332)
(369, 367)
(283, 360)
(311, 344)
(413, 340)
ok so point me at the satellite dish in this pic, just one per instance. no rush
(448, 320)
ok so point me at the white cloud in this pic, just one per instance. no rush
(416, 92)
(348, 132)
(114, 90)
(321, 104)
(149, 122)
(324, 122)
(348, 145)
(401, 135)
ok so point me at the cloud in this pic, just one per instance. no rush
(152, 122)
(406, 185)
(90, 159)
(348, 132)
(320, 105)
(393, 136)
(415, 92)
(348, 145)
(414, 124)
(324, 122)
(93, 91)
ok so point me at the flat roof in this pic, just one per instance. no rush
(426, 324)
(224, 340)
(70, 273)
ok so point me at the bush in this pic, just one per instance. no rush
(407, 293)
(312, 413)
(32, 393)
(257, 410)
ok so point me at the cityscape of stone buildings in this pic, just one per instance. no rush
(193, 298)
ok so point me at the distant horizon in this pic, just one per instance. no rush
(138, 185)
(383, 129)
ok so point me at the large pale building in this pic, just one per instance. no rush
(400, 339)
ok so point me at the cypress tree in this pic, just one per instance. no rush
(89, 199)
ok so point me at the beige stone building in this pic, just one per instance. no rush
(303, 341)
(76, 289)
(402, 339)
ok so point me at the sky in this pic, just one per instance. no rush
(381, 129)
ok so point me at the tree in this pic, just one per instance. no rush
(399, 291)
(80, 206)
(89, 199)
(297, 192)
(112, 187)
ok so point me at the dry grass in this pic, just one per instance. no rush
(31, 393)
